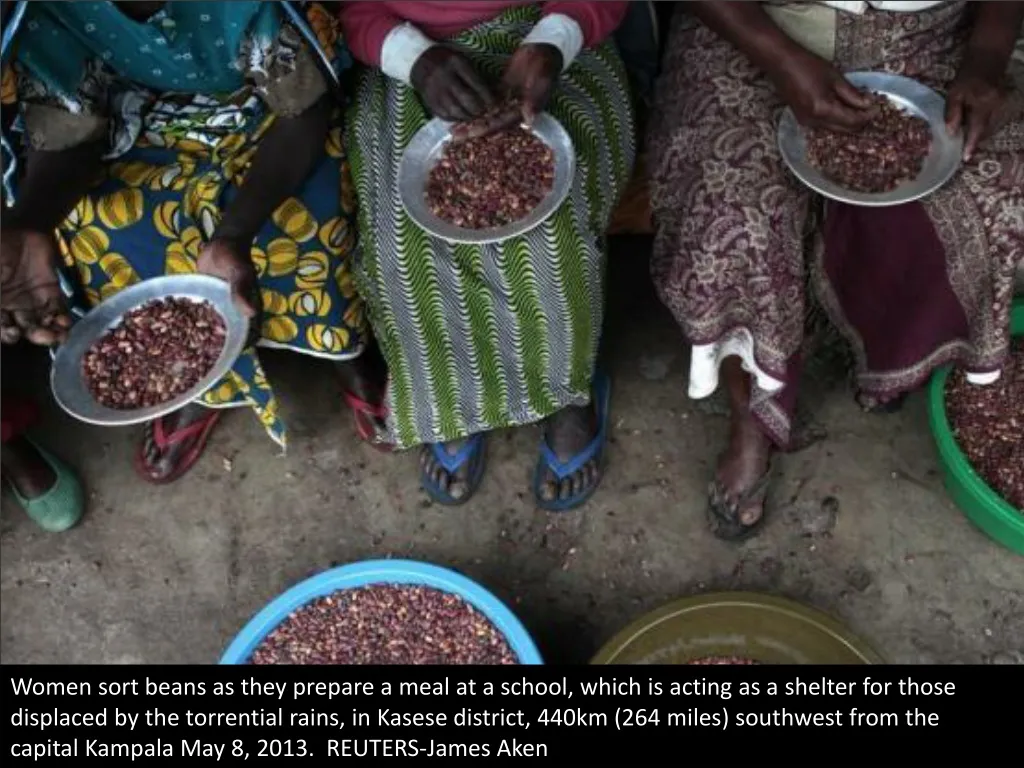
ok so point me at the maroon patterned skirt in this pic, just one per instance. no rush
(739, 239)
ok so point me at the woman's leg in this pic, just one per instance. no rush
(729, 254)
(748, 455)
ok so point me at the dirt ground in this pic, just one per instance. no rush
(169, 575)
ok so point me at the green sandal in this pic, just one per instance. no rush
(61, 507)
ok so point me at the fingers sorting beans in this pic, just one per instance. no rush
(888, 152)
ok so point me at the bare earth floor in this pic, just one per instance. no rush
(168, 575)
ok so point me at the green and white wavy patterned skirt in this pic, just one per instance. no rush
(483, 337)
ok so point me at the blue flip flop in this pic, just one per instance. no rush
(474, 451)
(594, 451)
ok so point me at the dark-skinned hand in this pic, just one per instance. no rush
(531, 76)
(819, 95)
(973, 102)
(449, 85)
(529, 80)
(230, 260)
(32, 304)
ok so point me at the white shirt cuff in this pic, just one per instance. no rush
(561, 31)
(402, 48)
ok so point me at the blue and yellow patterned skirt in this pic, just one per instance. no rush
(159, 203)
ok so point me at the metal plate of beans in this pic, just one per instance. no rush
(148, 350)
(905, 154)
(428, 148)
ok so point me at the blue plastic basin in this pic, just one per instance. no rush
(371, 572)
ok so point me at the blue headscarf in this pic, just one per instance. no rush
(189, 45)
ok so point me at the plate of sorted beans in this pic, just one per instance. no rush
(148, 350)
(736, 628)
(904, 153)
(489, 188)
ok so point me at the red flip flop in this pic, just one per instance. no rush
(364, 414)
(199, 429)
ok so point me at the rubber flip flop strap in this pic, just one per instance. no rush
(361, 406)
(452, 462)
(573, 465)
(163, 440)
(735, 505)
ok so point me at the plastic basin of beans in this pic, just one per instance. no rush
(385, 624)
(384, 612)
(978, 432)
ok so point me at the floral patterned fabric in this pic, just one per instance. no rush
(739, 239)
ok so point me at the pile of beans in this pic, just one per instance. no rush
(386, 624)
(988, 423)
(888, 152)
(158, 351)
(492, 180)
(710, 660)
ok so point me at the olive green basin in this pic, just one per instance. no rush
(764, 628)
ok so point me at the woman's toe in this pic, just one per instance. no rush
(751, 514)
(457, 489)
(548, 490)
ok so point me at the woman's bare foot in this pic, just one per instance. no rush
(25, 469)
(454, 484)
(881, 403)
(567, 433)
(161, 463)
(742, 468)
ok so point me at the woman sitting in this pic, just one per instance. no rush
(477, 338)
(175, 137)
(912, 287)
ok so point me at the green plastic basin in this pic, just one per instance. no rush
(982, 506)
(763, 628)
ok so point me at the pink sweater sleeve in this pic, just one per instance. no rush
(597, 19)
(366, 26)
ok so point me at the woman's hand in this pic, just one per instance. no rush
(32, 304)
(230, 261)
(973, 103)
(449, 85)
(531, 76)
(819, 95)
